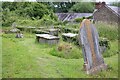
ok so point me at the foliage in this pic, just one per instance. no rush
(116, 4)
(113, 49)
(83, 7)
(107, 31)
(61, 6)
(46, 20)
(8, 17)
(12, 12)
(32, 9)
(78, 20)
(104, 42)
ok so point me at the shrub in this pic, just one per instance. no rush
(104, 42)
(46, 20)
(65, 22)
(78, 20)
(82, 7)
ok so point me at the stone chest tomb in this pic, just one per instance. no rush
(70, 37)
(53, 32)
(46, 38)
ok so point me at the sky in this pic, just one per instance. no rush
(67, 0)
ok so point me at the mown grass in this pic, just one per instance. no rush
(24, 58)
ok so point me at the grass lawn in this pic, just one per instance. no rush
(24, 58)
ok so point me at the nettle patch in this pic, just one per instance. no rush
(67, 51)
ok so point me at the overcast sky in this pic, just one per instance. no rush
(67, 0)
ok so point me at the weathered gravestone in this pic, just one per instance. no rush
(93, 60)
(14, 25)
(14, 29)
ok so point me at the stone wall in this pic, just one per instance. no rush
(105, 14)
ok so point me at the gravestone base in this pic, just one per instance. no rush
(96, 69)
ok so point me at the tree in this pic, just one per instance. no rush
(61, 6)
(34, 10)
(83, 7)
(116, 4)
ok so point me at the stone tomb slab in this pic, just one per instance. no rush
(46, 38)
(88, 37)
(70, 37)
(38, 31)
(53, 32)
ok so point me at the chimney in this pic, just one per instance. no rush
(103, 3)
(98, 5)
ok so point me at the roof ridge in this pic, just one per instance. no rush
(112, 10)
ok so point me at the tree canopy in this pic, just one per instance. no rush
(116, 4)
(82, 7)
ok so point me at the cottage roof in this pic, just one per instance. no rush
(71, 16)
(115, 9)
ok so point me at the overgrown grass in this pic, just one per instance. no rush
(107, 30)
(28, 59)
(113, 49)
(25, 58)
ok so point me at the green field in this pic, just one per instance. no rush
(24, 58)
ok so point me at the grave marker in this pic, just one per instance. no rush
(88, 37)
(14, 25)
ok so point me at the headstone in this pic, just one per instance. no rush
(14, 25)
(93, 60)
(19, 35)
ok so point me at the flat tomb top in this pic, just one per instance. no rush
(31, 27)
(69, 34)
(52, 29)
(46, 36)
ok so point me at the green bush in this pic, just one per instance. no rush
(83, 7)
(104, 42)
(78, 20)
(46, 20)
(90, 17)
(27, 13)
(65, 22)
